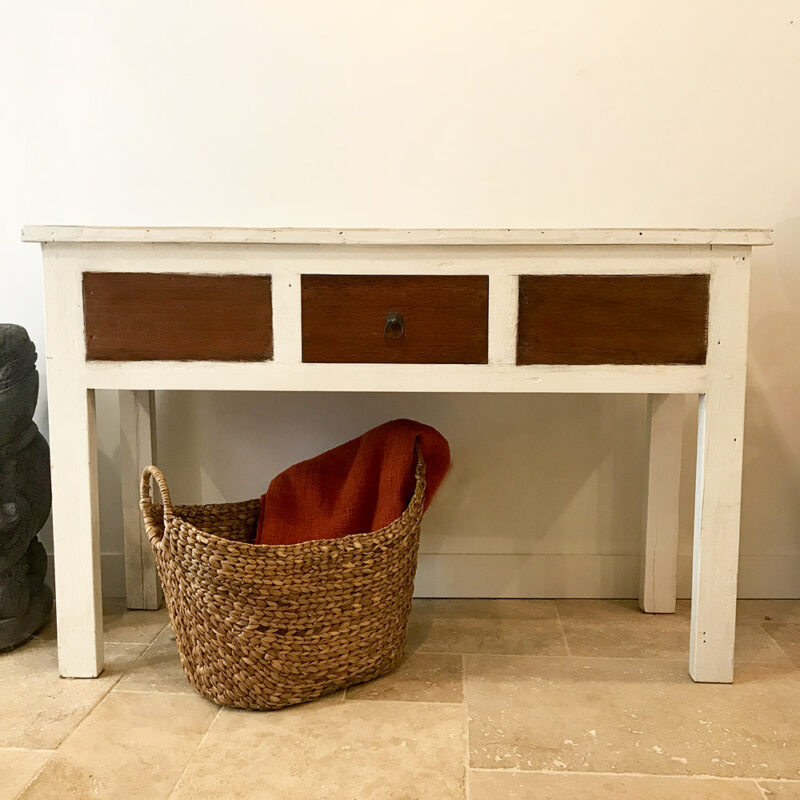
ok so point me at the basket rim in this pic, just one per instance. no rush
(412, 512)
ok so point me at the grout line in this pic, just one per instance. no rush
(156, 691)
(4, 749)
(761, 789)
(129, 644)
(561, 628)
(790, 781)
(146, 644)
(437, 653)
(91, 711)
(194, 753)
(357, 699)
(140, 657)
(676, 660)
(776, 642)
(35, 775)
(784, 662)
(100, 699)
(606, 774)
(466, 724)
(680, 660)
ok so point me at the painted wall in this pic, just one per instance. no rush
(469, 114)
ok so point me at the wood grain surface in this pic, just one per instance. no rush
(177, 317)
(619, 319)
(445, 318)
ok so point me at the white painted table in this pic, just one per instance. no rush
(549, 311)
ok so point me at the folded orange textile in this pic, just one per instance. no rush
(358, 487)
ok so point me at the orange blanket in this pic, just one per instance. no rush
(358, 487)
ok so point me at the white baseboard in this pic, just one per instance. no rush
(593, 575)
(112, 566)
(760, 576)
(500, 575)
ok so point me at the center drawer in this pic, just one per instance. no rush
(395, 319)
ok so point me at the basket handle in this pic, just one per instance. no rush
(144, 491)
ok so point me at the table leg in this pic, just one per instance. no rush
(719, 472)
(76, 534)
(137, 450)
(716, 537)
(659, 562)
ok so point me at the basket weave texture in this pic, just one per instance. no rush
(268, 626)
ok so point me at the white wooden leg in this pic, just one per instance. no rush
(76, 533)
(719, 473)
(137, 450)
(73, 460)
(659, 564)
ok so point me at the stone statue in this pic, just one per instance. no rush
(25, 600)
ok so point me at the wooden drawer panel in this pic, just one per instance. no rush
(157, 316)
(612, 319)
(442, 319)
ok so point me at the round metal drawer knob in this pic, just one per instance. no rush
(395, 325)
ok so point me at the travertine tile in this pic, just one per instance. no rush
(781, 791)
(38, 707)
(594, 714)
(747, 611)
(120, 624)
(17, 769)
(524, 786)
(644, 639)
(358, 749)
(617, 611)
(618, 629)
(132, 745)
(123, 625)
(768, 611)
(754, 644)
(158, 669)
(459, 608)
(421, 677)
(620, 715)
(520, 627)
(787, 636)
(627, 640)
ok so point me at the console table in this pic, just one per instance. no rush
(656, 312)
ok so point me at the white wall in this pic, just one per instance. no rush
(462, 114)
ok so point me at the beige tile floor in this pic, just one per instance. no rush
(496, 700)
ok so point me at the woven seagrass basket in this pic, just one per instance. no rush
(267, 626)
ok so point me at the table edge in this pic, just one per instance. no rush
(399, 236)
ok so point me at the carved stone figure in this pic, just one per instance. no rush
(25, 600)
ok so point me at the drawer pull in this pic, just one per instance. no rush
(394, 327)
